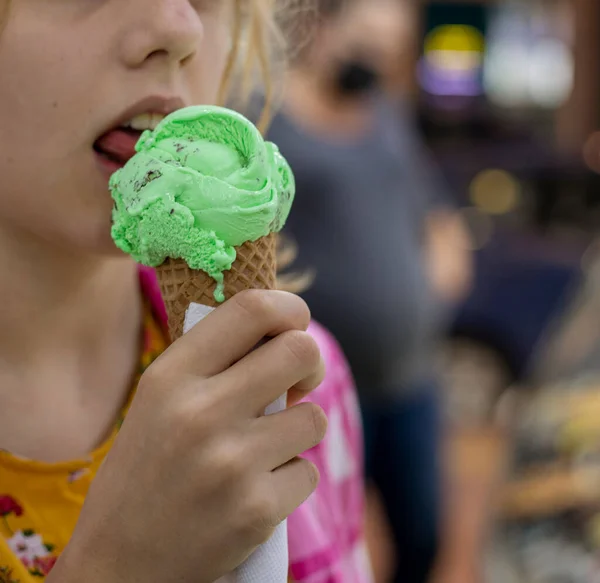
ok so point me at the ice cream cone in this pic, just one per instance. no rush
(254, 268)
(206, 187)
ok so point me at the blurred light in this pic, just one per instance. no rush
(551, 73)
(453, 60)
(455, 37)
(505, 76)
(526, 63)
(495, 192)
(505, 69)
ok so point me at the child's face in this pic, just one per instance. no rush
(73, 70)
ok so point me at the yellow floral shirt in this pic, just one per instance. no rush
(40, 503)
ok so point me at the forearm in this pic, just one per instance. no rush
(448, 256)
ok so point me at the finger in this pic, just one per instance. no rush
(277, 439)
(292, 484)
(267, 373)
(302, 389)
(235, 328)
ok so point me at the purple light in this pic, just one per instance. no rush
(449, 82)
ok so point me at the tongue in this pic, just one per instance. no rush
(118, 144)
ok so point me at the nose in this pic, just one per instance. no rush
(168, 30)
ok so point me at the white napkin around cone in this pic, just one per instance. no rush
(269, 563)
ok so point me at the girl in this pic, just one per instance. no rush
(195, 479)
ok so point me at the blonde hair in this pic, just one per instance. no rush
(265, 33)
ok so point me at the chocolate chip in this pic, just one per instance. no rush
(149, 177)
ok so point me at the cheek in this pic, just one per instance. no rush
(49, 205)
(49, 185)
(37, 75)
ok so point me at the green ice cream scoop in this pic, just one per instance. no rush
(202, 183)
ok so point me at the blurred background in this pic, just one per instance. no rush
(508, 100)
(504, 96)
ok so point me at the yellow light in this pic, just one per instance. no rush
(495, 192)
(455, 37)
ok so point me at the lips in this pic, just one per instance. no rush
(118, 145)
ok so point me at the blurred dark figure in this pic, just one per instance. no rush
(371, 218)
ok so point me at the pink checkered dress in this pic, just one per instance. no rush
(326, 534)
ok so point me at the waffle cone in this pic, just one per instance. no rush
(254, 268)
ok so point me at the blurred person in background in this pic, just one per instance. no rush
(389, 253)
